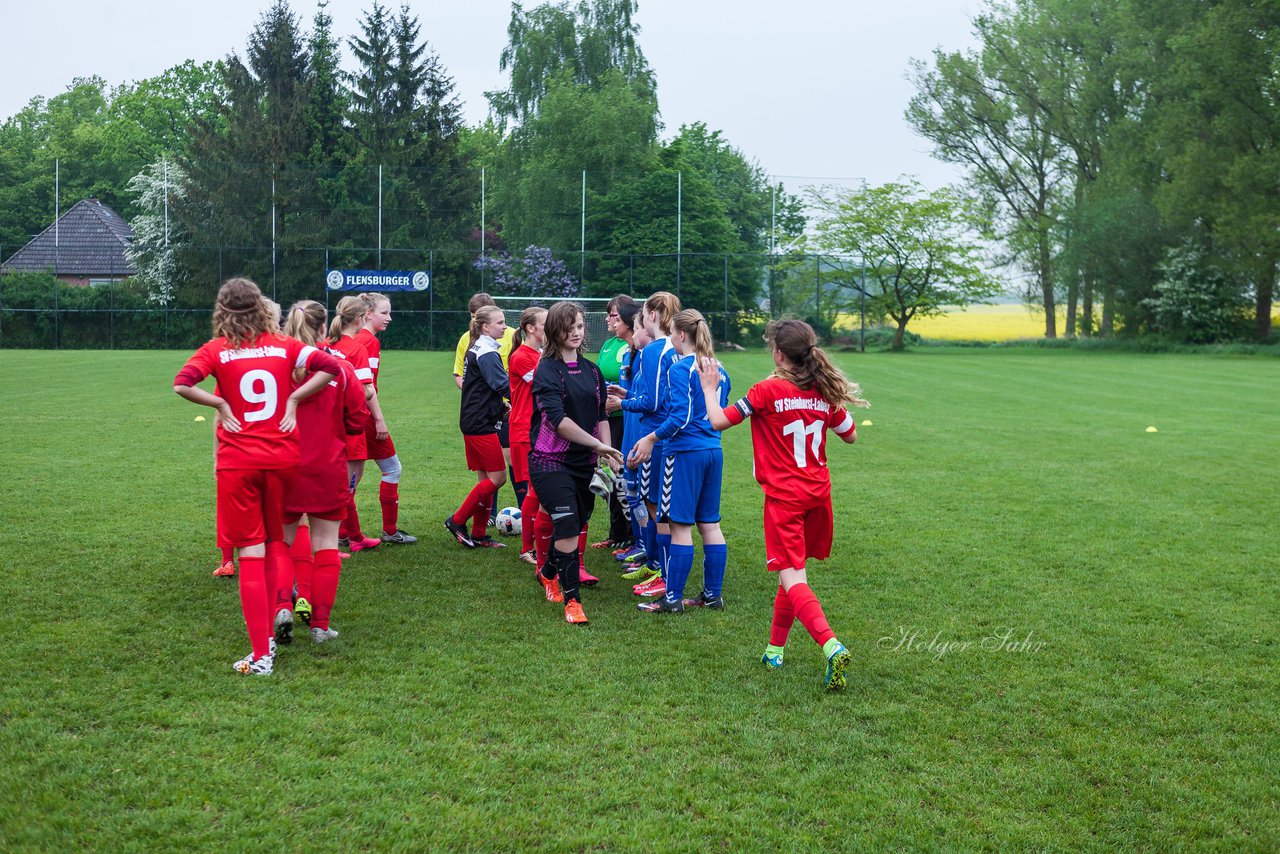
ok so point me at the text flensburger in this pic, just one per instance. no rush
(377, 280)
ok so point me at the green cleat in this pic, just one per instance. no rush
(772, 656)
(302, 611)
(837, 663)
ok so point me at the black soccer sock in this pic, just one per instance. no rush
(567, 568)
(522, 489)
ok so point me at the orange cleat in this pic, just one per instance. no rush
(227, 570)
(552, 588)
(573, 613)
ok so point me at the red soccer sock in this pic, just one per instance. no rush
(480, 493)
(484, 493)
(528, 519)
(784, 616)
(809, 613)
(389, 495)
(543, 530)
(324, 586)
(279, 573)
(582, 547)
(353, 520)
(254, 603)
(228, 555)
(303, 562)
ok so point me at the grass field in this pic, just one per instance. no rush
(1064, 631)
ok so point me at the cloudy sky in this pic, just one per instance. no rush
(814, 90)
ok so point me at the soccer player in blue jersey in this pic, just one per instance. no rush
(648, 398)
(633, 331)
(691, 467)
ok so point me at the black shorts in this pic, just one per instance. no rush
(504, 431)
(567, 496)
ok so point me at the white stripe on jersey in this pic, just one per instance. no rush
(303, 355)
(364, 374)
(846, 425)
(373, 363)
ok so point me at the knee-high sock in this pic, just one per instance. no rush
(542, 535)
(714, 560)
(515, 487)
(637, 531)
(477, 498)
(279, 573)
(679, 565)
(228, 554)
(352, 522)
(303, 562)
(254, 603)
(651, 543)
(582, 548)
(389, 497)
(522, 491)
(664, 549)
(567, 568)
(493, 508)
(784, 617)
(324, 586)
(480, 519)
(528, 519)
(809, 613)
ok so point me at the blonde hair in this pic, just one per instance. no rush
(528, 317)
(306, 322)
(240, 313)
(480, 318)
(666, 306)
(796, 340)
(350, 311)
(693, 324)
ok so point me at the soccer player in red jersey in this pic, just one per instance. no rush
(522, 363)
(258, 451)
(378, 442)
(349, 318)
(324, 422)
(483, 407)
(790, 414)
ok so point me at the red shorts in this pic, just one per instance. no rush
(795, 532)
(251, 505)
(377, 449)
(320, 491)
(520, 460)
(484, 453)
(356, 448)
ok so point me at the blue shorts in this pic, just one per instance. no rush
(691, 486)
(651, 476)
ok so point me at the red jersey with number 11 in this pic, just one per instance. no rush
(255, 380)
(789, 437)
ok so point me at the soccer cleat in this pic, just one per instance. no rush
(603, 544)
(632, 555)
(641, 575)
(302, 610)
(399, 538)
(772, 657)
(322, 635)
(365, 543)
(529, 557)
(488, 542)
(227, 570)
(284, 626)
(837, 662)
(255, 666)
(702, 600)
(573, 613)
(551, 587)
(621, 548)
(585, 578)
(662, 605)
(344, 544)
(344, 555)
(654, 587)
(459, 533)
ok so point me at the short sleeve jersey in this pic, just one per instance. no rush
(373, 349)
(612, 354)
(523, 362)
(255, 381)
(505, 345)
(355, 353)
(789, 437)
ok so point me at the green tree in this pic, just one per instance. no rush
(918, 246)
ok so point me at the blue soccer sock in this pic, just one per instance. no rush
(679, 565)
(650, 543)
(664, 551)
(714, 561)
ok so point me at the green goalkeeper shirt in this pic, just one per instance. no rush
(612, 353)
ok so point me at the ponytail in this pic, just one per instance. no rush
(350, 311)
(811, 368)
(666, 306)
(693, 324)
(306, 322)
(528, 317)
(479, 319)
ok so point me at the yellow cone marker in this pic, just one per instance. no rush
(866, 423)
(1152, 430)
(199, 417)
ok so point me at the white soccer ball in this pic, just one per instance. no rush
(509, 521)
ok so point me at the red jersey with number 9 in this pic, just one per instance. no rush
(255, 380)
(789, 438)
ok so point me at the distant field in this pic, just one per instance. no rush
(1006, 322)
(1064, 630)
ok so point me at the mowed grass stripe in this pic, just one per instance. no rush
(458, 710)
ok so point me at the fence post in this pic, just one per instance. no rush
(431, 298)
(57, 340)
(111, 312)
(726, 297)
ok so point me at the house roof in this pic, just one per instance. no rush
(91, 240)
